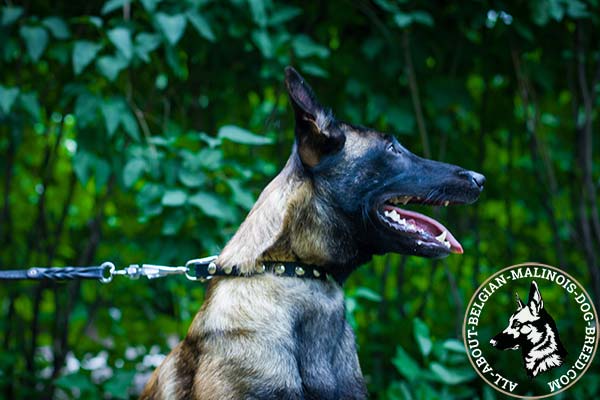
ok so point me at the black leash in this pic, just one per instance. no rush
(200, 269)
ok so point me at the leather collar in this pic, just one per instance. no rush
(205, 271)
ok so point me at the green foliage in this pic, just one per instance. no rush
(143, 131)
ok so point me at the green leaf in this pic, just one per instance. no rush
(283, 15)
(121, 38)
(201, 24)
(452, 376)
(305, 47)
(86, 109)
(242, 136)
(191, 178)
(210, 205)
(421, 331)
(36, 40)
(133, 171)
(10, 14)
(78, 381)
(403, 20)
(423, 18)
(145, 43)
(241, 196)
(7, 98)
(130, 125)
(57, 27)
(150, 5)
(112, 5)
(112, 109)
(30, 103)
(172, 26)
(455, 345)
(84, 53)
(263, 42)
(314, 70)
(259, 14)
(174, 198)
(406, 365)
(111, 66)
(368, 294)
(118, 386)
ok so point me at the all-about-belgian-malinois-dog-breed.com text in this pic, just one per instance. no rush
(272, 325)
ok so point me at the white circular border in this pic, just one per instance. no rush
(471, 304)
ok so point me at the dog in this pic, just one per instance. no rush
(533, 330)
(263, 334)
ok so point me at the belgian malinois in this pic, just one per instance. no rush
(534, 331)
(267, 335)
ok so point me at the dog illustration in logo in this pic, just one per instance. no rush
(533, 330)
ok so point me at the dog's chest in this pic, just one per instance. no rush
(302, 347)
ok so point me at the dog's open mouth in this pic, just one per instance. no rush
(425, 230)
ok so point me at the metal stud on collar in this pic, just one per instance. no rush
(261, 268)
(299, 271)
(280, 269)
(212, 268)
(316, 273)
(228, 269)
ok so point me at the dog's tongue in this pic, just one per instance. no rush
(431, 226)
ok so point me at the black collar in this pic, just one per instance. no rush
(203, 271)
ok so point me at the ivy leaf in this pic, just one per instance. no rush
(145, 43)
(259, 14)
(210, 205)
(10, 14)
(421, 331)
(150, 5)
(130, 125)
(121, 38)
(57, 27)
(36, 40)
(174, 198)
(133, 171)
(30, 103)
(111, 66)
(172, 26)
(406, 365)
(263, 42)
(403, 20)
(284, 14)
(112, 5)
(84, 53)
(305, 47)
(242, 136)
(7, 98)
(452, 376)
(112, 109)
(201, 25)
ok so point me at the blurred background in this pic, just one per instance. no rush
(143, 131)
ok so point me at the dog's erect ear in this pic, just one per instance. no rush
(520, 303)
(535, 302)
(316, 135)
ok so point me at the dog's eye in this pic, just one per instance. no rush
(391, 147)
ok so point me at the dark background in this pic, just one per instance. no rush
(143, 131)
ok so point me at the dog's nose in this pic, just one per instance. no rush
(475, 177)
(493, 342)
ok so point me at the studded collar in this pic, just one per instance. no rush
(205, 271)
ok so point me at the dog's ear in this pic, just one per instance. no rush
(316, 134)
(535, 302)
(520, 303)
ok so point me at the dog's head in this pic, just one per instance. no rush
(368, 175)
(524, 325)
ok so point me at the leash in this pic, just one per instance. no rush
(198, 269)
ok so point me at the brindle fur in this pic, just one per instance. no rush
(268, 337)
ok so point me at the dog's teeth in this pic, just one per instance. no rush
(405, 200)
(442, 237)
(446, 203)
(447, 244)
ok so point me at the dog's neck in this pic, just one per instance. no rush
(287, 223)
(545, 354)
